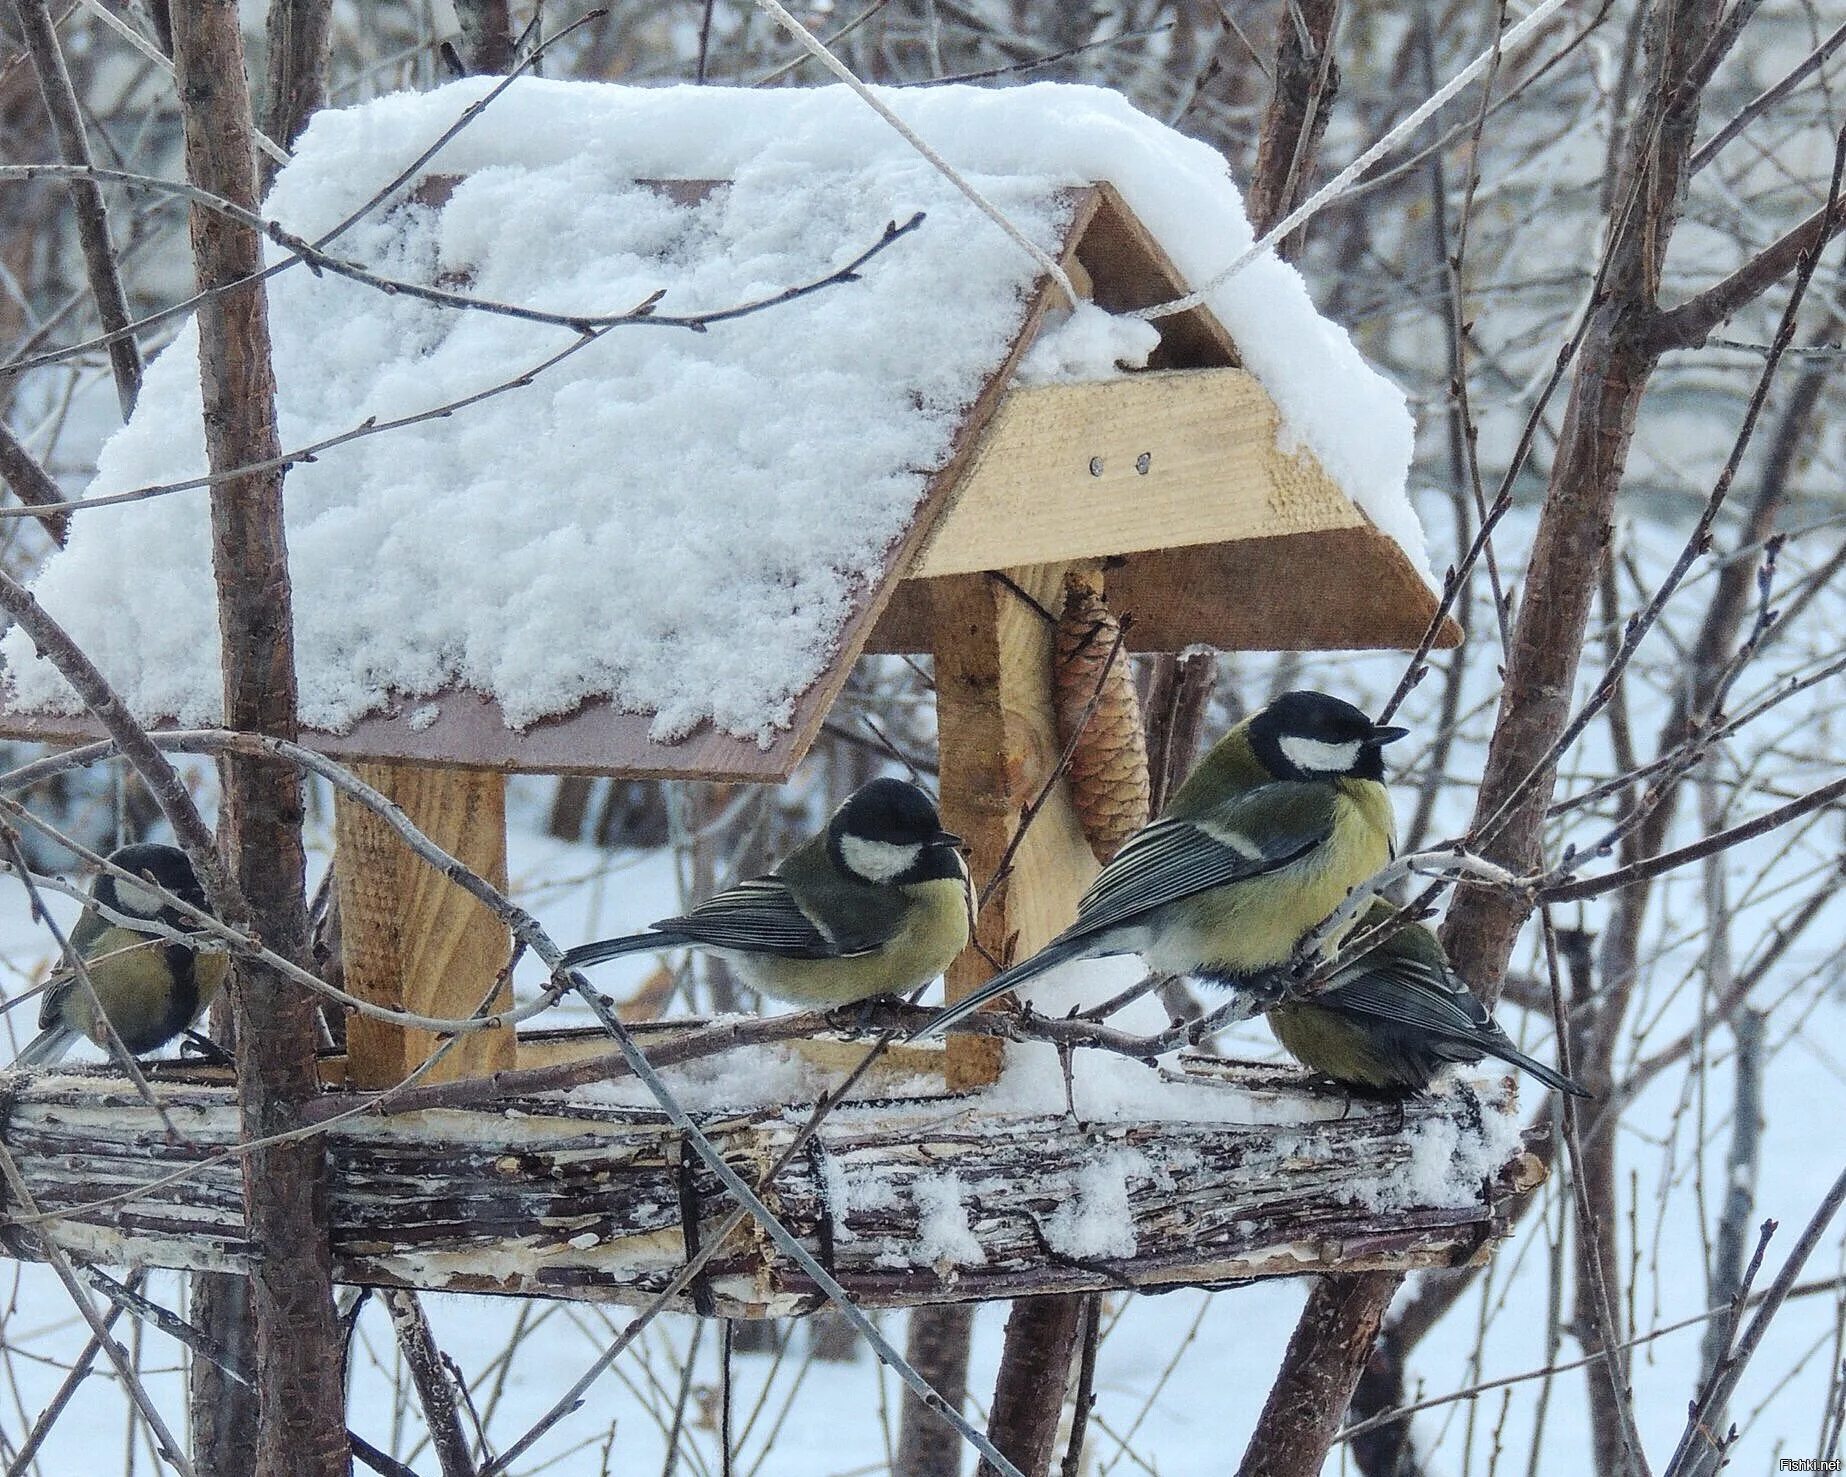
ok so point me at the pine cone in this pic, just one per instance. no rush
(1108, 768)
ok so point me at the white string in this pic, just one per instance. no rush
(1336, 186)
(154, 54)
(993, 212)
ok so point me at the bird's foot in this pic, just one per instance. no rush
(860, 1017)
(197, 1048)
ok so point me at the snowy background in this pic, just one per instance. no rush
(1181, 1376)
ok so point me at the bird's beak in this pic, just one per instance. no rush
(1386, 735)
(948, 838)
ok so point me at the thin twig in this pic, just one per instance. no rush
(61, 1397)
(92, 213)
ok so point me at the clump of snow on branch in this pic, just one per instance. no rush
(677, 522)
(945, 1238)
(1098, 1220)
(1450, 1157)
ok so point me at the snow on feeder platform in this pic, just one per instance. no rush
(637, 550)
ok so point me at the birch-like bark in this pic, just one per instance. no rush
(301, 1430)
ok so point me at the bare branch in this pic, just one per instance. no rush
(1688, 325)
(301, 1427)
(92, 214)
(441, 1412)
(32, 485)
(1606, 882)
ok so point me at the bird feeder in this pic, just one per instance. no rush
(1174, 490)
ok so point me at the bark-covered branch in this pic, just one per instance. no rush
(92, 213)
(301, 1427)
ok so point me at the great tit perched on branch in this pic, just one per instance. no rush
(151, 987)
(877, 904)
(1395, 1016)
(1265, 838)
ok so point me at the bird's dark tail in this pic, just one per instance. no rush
(1058, 951)
(585, 955)
(1498, 1045)
(47, 1047)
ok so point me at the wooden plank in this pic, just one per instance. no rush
(1147, 461)
(554, 1198)
(1336, 589)
(1343, 589)
(409, 937)
(997, 732)
(467, 730)
(898, 1063)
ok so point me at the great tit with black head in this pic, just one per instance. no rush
(151, 987)
(1395, 1016)
(1285, 816)
(877, 904)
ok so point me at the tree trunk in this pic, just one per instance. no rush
(224, 1417)
(937, 1347)
(300, 1428)
(1333, 1341)
(487, 35)
(1041, 1346)
(296, 86)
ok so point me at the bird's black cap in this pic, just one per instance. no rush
(164, 866)
(1319, 718)
(892, 811)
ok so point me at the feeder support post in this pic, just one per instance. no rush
(997, 732)
(410, 938)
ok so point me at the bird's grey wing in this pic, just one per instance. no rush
(51, 1003)
(763, 916)
(1259, 831)
(1410, 992)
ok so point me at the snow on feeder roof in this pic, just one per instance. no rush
(662, 554)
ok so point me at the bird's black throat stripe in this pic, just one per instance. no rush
(183, 1002)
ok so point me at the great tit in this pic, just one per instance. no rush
(151, 987)
(1267, 835)
(1395, 1016)
(878, 903)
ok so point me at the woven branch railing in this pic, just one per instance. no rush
(908, 1201)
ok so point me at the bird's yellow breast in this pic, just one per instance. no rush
(130, 974)
(1255, 924)
(1340, 1048)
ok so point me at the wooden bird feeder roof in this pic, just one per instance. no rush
(1171, 478)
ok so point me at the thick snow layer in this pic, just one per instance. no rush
(677, 521)
(1098, 1221)
(1087, 344)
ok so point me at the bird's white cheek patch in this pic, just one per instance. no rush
(877, 861)
(1307, 753)
(132, 897)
